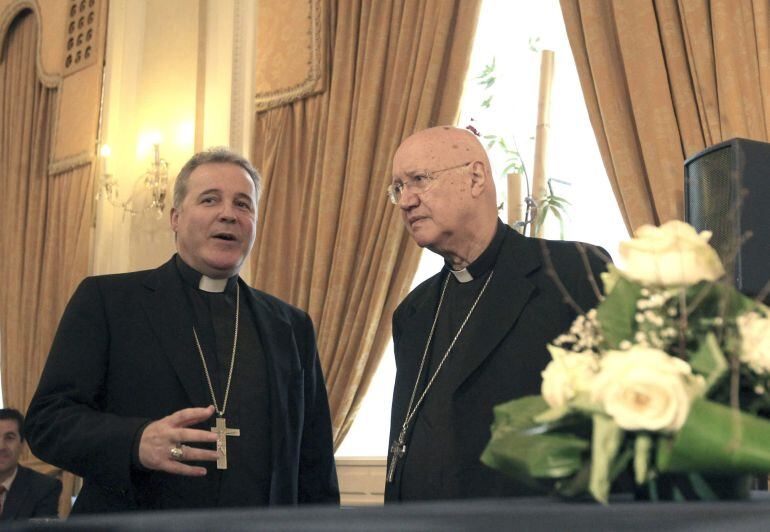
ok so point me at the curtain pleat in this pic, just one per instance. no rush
(663, 80)
(329, 241)
(46, 222)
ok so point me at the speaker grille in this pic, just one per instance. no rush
(712, 192)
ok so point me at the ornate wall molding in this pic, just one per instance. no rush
(291, 62)
(11, 10)
(78, 83)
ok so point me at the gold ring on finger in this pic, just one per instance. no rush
(177, 453)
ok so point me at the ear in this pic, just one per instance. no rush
(479, 178)
(174, 218)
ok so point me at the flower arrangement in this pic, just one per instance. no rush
(668, 374)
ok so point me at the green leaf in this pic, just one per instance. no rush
(518, 414)
(513, 165)
(616, 312)
(709, 361)
(535, 456)
(642, 449)
(528, 450)
(487, 102)
(552, 414)
(487, 82)
(560, 202)
(557, 214)
(717, 439)
(605, 444)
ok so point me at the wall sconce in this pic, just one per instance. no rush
(154, 180)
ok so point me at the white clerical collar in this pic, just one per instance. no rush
(207, 284)
(463, 275)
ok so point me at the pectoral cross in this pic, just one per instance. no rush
(222, 432)
(397, 451)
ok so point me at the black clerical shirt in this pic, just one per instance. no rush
(424, 468)
(246, 481)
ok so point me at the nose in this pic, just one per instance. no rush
(408, 199)
(227, 214)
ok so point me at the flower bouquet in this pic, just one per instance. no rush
(666, 378)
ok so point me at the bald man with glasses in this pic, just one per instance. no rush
(474, 335)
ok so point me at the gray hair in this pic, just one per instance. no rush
(213, 155)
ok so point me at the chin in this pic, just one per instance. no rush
(423, 238)
(224, 266)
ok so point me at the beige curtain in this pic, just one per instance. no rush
(45, 223)
(329, 240)
(664, 79)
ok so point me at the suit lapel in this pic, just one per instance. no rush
(498, 309)
(415, 324)
(277, 339)
(16, 495)
(170, 318)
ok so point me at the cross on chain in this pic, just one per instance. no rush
(222, 431)
(397, 451)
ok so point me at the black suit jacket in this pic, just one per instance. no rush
(123, 356)
(32, 494)
(503, 349)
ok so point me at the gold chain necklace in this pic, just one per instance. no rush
(221, 429)
(398, 447)
(221, 413)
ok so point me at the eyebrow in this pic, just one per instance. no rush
(210, 191)
(218, 191)
(241, 195)
(409, 173)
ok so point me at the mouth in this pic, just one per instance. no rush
(226, 237)
(414, 219)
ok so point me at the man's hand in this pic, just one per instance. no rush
(159, 437)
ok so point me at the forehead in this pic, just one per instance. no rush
(429, 150)
(221, 176)
(8, 425)
(416, 154)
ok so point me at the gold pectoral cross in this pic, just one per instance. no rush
(397, 451)
(222, 432)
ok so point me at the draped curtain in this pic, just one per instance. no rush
(329, 240)
(664, 79)
(45, 223)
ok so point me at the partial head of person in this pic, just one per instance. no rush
(215, 212)
(442, 183)
(11, 440)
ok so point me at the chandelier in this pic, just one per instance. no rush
(153, 183)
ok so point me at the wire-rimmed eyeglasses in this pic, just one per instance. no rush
(418, 183)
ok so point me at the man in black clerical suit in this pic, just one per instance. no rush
(138, 358)
(24, 493)
(475, 334)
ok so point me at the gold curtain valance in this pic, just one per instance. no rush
(291, 57)
(70, 52)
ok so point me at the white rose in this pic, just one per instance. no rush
(568, 374)
(673, 254)
(755, 342)
(645, 389)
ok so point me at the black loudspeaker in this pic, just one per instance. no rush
(727, 191)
